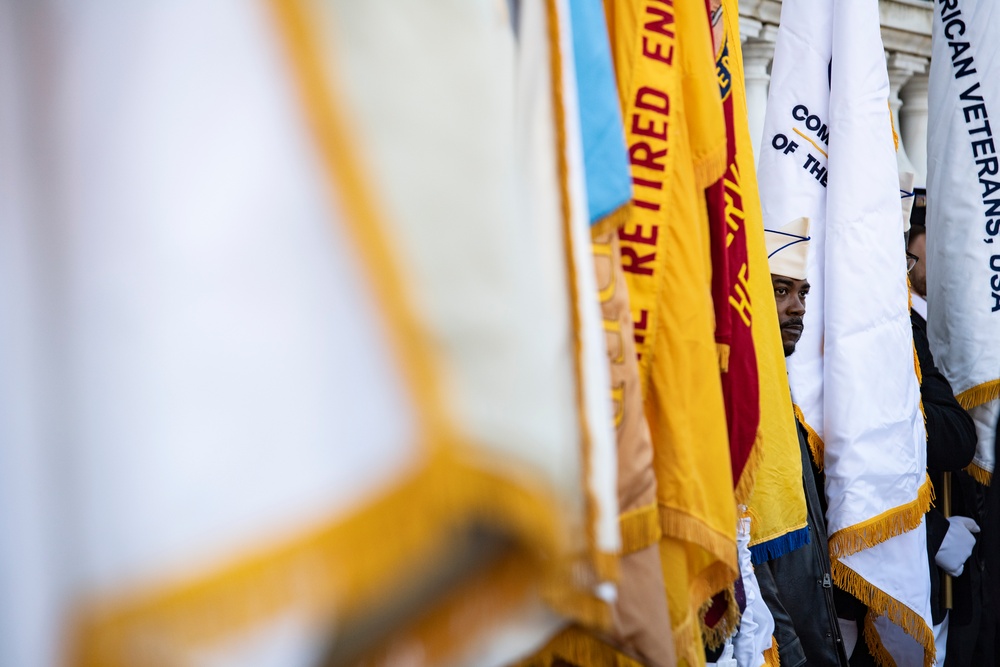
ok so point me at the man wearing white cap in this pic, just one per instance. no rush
(797, 587)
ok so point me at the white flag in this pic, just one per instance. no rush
(853, 372)
(228, 446)
(963, 212)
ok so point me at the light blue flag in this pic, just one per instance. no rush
(609, 184)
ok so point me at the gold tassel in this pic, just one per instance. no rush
(880, 528)
(981, 393)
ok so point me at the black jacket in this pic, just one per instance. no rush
(798, 589)
(951, 444)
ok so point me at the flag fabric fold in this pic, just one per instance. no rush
(963, 214)
(321, 393)
(776, 500)
(667, 266)
(829, 155)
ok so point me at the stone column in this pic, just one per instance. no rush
(757, 55)
(913, 124)
(902, 67)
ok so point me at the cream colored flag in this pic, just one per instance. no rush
(291, 357)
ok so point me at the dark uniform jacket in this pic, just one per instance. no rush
(798, 588)
(951, 444)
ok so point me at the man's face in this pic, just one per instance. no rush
(790, 296)
(918, 274)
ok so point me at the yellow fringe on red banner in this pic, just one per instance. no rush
(880, 528)
(713, 637)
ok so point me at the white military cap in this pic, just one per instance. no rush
(788, 249)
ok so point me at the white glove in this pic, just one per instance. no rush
(956, 547)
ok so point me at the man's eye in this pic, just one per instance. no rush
(781, 291)
(803, 294)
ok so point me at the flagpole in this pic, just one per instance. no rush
(946, 509)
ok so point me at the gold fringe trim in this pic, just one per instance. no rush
(722, 352)
(687, 642)
(816, 446)
(449, 629)
(579, 648)
(880, 603)
(612, 222)
(591, 505)
(349, 565)
(748, 478)
(892, 124)
(606, 566)
(772, 656)
(681, 526)
(640, 528)
(981, 393)
(713, 637)
(920, 380)
(880, 528)
(980, 474)
(874, 643)
(570, 601)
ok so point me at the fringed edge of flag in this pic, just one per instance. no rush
(874, 643)
(449, 628)
(920, 381)
(748, 478)
(611, 222)
(880, 528)
(881, 603)
(640, 528)
(772, 656)
(777, 547)
(713, 636)
(687, 641)
(567, 599)
(349, 563)
(681, 526)
(817, 448)
(981, 393)
(579, 648)
(892, 124)
(980, 474)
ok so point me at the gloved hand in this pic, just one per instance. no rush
(956, 547)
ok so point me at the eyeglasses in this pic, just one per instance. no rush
(911, 261)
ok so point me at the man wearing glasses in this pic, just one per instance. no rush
(951, 444)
